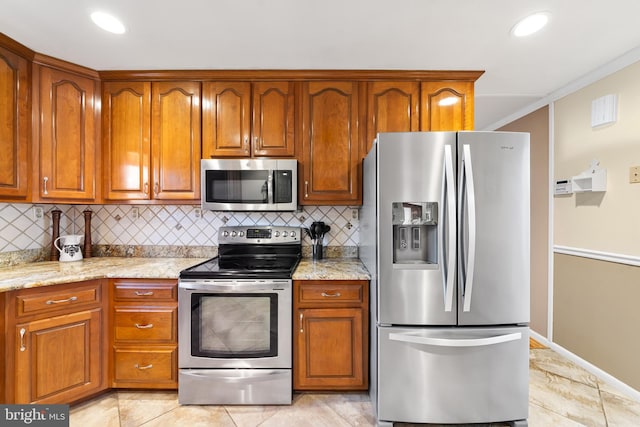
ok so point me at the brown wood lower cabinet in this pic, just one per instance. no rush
(57, 341)
(330, 345)
(144, 333)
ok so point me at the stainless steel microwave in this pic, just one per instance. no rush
(249, 184)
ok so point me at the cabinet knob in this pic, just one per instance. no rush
(44, 185)
(246, 144)
(146, 188)
(306, 189)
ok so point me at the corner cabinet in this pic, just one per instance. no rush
(57, 343)
(14, 128)
(65, 136)
(151, 141)
(243, 119)
(330, 158)
(144, 335)
(331, 331)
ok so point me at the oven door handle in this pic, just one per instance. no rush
(236, 286)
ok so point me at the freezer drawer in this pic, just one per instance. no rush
(453, 375)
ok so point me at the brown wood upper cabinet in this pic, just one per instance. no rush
(392, 107)
(65, 157)
(14, 126)
(329, 169)
(243, 119)
(447, 105)
(151, 140)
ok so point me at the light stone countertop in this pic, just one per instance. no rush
(331, 269)
(48, 273)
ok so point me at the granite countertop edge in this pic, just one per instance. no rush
(47, 273)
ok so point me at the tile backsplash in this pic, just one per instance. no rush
(155, 225)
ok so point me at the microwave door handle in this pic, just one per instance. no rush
(270, 187)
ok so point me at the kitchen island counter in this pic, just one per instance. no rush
(331, 269)
(48, 273)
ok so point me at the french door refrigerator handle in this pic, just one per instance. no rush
(466, 174)
(452, 342)
(449, 273)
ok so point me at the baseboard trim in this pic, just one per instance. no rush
(604, 376)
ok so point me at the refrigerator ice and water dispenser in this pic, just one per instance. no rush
(415, 232)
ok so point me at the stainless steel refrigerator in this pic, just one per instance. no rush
(444, 232)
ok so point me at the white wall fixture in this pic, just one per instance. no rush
(604, 110)
(562, 187)
(592, 179)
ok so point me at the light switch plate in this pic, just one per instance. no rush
(634, 174)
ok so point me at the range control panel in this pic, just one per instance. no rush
(258, 235)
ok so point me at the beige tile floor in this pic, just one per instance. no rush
(560, 394)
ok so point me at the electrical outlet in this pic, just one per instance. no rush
(197, 212)
(38, 212)
(135, 214)
(634, 174)
(354, 213)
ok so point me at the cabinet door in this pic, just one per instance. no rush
(14, 126)
(446, 106)
(67, 136)
(329, 350)
(175, 140)
(59, 359)
(226, 119)
(392, 107)
(330, 165)
(273, 119)
(126, 140)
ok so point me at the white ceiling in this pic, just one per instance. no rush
(582, 35)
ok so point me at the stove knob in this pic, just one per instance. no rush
(225, 234)
(234, 234)
(241, 234)
(277, 234)
(293, 234)
(285, 234)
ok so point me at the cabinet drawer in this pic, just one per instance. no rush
(137, 324)
(145, 365)
(327, 292)
(132, 290)
(59, 299)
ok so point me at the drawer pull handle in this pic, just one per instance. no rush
(142, 368)
(60, 301)
(147, 326)
(144, 294)
(332, 295)
(22, 332)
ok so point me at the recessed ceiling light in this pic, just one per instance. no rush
(108, 22)
(530, 24)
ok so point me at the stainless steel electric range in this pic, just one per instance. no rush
(234, 319)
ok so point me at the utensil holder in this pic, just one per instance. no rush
(316, 251)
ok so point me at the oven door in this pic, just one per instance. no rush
(234, 323)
